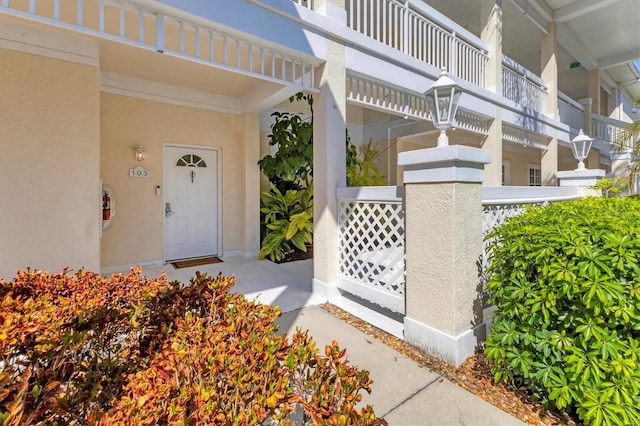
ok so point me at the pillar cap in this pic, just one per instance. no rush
(584, 178)
(453, 163)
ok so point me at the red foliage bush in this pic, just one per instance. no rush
(88, 350)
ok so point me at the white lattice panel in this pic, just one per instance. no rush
(371, 248)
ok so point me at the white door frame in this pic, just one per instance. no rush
(165, 165)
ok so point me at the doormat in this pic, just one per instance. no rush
(196, 262)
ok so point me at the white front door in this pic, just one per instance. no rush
(191, 202)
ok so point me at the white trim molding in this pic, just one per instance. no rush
(119, 84)
(454, 349)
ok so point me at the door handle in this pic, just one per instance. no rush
(167, 210)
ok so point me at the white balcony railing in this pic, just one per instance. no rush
(609, 130)
(570, 112)
(522, 86)
(398, 24)
(306, 3)
(142, 24)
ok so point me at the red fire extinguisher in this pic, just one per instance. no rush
(106, 206)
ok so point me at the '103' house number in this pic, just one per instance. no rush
(138, 172)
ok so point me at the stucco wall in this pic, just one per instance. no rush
(49, 162)
(520, 166)
(137, 232)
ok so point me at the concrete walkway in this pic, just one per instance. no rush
(403, 392)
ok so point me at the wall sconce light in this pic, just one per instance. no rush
(139, 153)
(580, 145)
(442, 99)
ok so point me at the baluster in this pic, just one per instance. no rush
(122, 19)
(181, 35)
(197, 35)
(159, 32)
(453, 54)
(101, 16)
(261, 61)
(79, 17)
(140, 25)
(238, 62)
(212, 46)
(56, 10)
(225, 50)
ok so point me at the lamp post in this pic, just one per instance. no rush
(580, 145)
(442, 98)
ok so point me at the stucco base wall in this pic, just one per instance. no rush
(49, 164)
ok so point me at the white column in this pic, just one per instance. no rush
(491, 20)
(329, 169)
(251, 211)
(549, 67)
(593, 89)
(443, 245)
(586, 125)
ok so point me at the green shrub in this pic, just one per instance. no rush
(611, 187)
(287, 220)
(566, 283)
(87, 350)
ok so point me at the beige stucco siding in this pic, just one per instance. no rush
(49, 164)
(137, 232)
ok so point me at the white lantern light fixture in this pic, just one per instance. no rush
(442, 99)
(580, 145)
(139, 153)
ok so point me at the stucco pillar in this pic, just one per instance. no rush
(593, 89)
(620, 161)
(491, 21)
(443, 245)
(586, 124)
(549, 73)
(329, 168)
(251, 211)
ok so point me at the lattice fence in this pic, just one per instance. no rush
(371, 251)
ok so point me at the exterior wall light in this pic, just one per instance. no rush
(442, 98)
(580, 145)
(139, 153)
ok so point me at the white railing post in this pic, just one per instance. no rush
(80, 12)
(443, 245)
(406, 30)
(159, 32)
(453, 52)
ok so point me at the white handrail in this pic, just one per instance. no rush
(492, 195)
(392, 194)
